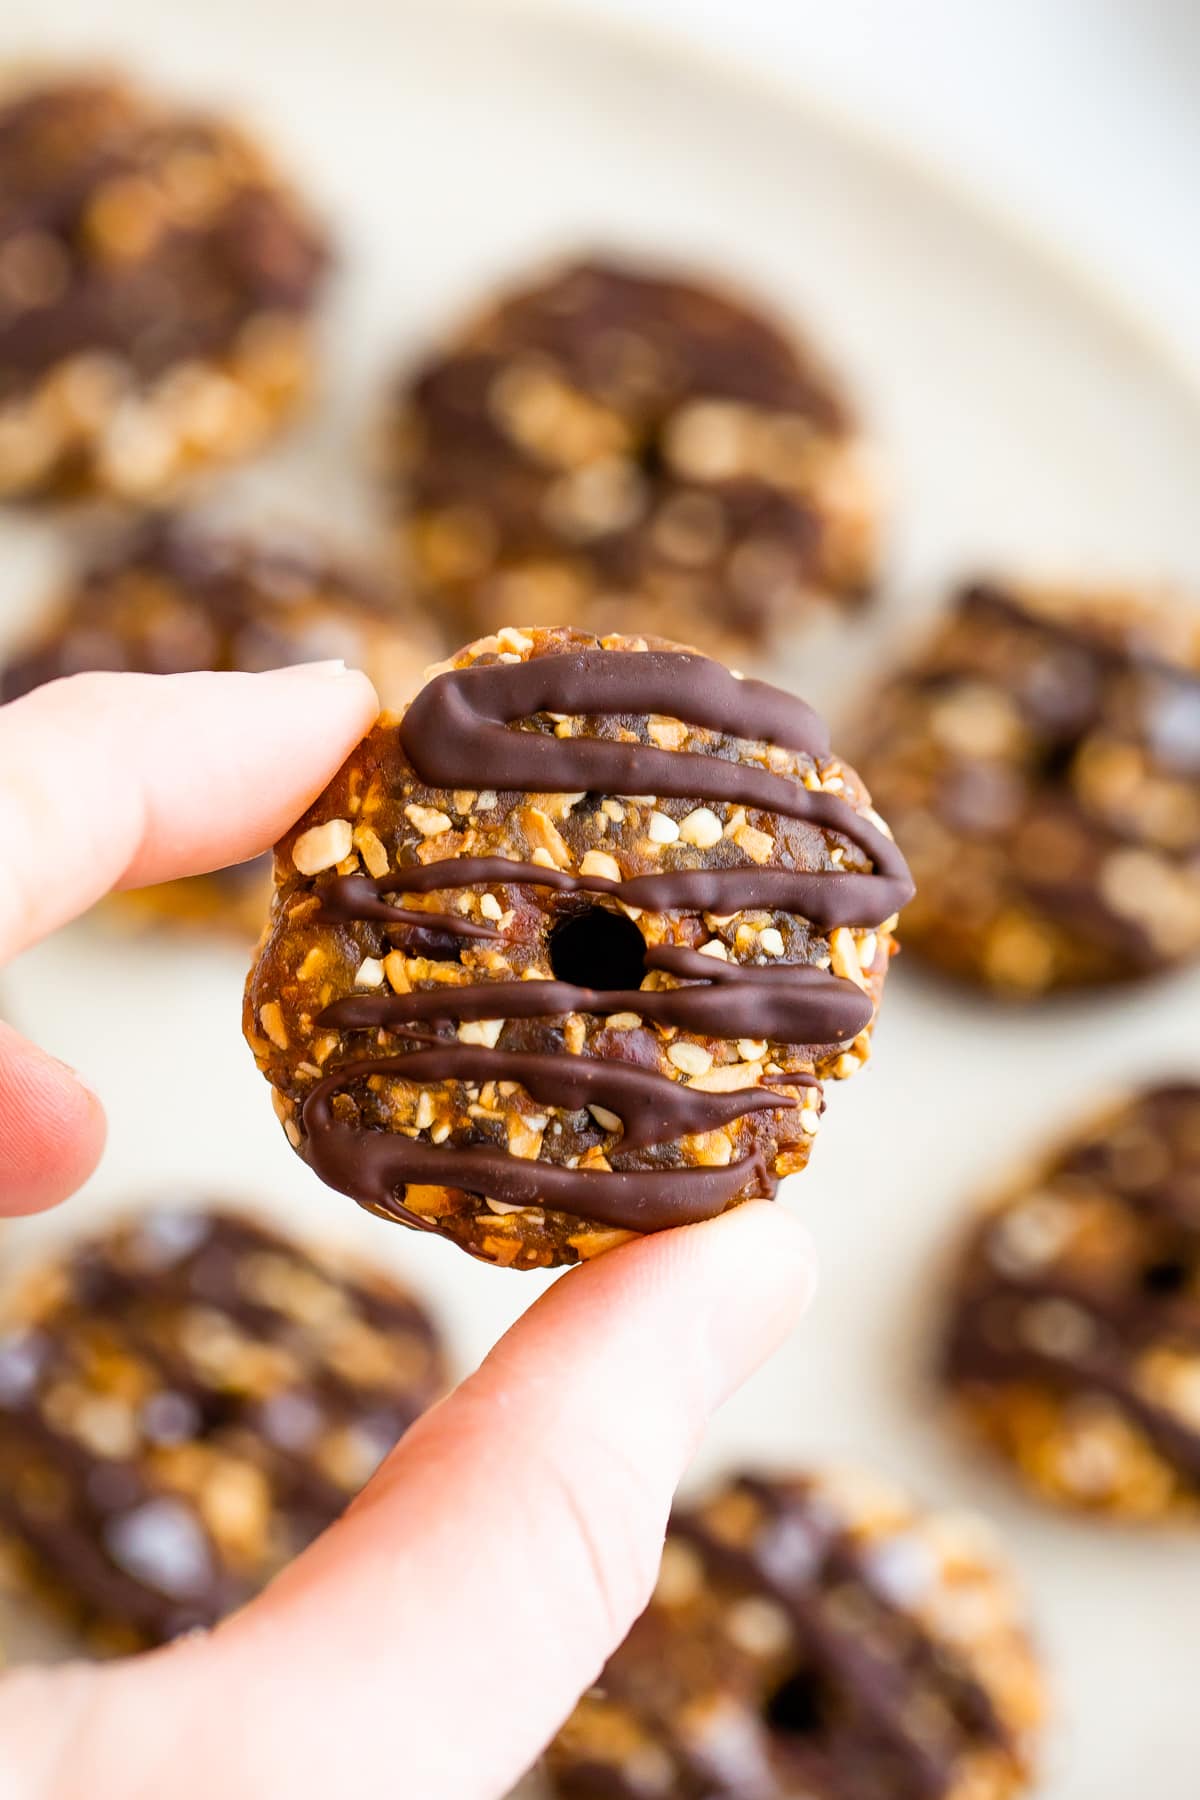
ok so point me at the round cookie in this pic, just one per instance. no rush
(1072, 1344)
(1040, 762)
(185, 1402)
(157, 282)
(814, 1635)
(615, 448)
(172, 595)
(568, 950)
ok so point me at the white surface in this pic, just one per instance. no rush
(1022, 422)
(1081, 117)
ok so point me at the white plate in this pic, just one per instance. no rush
(1026, 424)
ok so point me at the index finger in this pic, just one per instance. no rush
(120, 780)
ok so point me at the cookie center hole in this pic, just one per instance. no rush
(598, 949)
(797, 1708)
(1168, 1275)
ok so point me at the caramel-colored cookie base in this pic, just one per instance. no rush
(329, 984)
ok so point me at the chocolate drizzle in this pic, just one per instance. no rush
(473, 720)
(371, 1166)
(788, 1003)
(826, 898)
(460, 723)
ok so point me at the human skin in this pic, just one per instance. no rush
(432, 1642)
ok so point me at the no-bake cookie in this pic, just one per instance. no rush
(621, 449)
(1073, 1338)
(569, 950)
(814, 1635)
(185, 1401)
(1040, 762)
(173, 594)
(157, 281)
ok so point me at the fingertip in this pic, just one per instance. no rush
(54, 1128)
(753, 1275)
(332, 683)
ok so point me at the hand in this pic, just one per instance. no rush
(431, 1643)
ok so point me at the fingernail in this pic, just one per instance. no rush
(76, 1076)
(314, 671)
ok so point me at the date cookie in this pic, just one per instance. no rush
(157, 281)
(1041, 765)
(613, 448)
(567, 951)
(814, 1635)
(174, 595)
(185, 1402)
(1073, 1339)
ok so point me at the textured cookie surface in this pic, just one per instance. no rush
(1041, 766)
(184, 1403)
(1073, 1340)
(568, 950)
(174, 595)
(156, 282)
(624, 451)
(814, 1636)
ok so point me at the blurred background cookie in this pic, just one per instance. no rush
(173, 594)
(1073, 1338)
(157, 281)
(1040, 763)
(185, 1401)
(816, 1635)
(619, 449)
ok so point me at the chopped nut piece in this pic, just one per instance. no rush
(599, 862)
(701, 827)
(322, 846)
(270, 1016)
(371, 849)
(481, 1031)
(429, 820)
(692, 1058)
(758, 845)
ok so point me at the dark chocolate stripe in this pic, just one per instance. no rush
(653, 1108)
(788, 1003)
(461, 723)
(464, 712)
(827, 897)
(349, 897)
(371, 1166)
